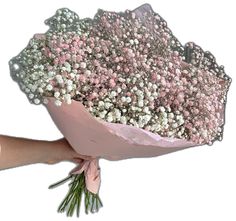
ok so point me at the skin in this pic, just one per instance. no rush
(17, 151)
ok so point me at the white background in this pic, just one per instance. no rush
(189, 185)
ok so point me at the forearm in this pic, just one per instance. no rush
(16, 151)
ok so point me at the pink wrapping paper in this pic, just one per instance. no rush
(112, 141)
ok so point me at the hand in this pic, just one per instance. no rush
(18, 151)
(62, 151)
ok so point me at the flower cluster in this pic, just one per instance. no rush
(126, 68)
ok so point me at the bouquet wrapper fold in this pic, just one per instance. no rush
(92, 174)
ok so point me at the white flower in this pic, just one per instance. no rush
(112, 94)
(67, 98)
(27, 90)
(83, 65)
(69, 88)
(68, 66)
(136, 41)
(51, 73)
(40, 90)
(123, 99)
(59, 79)
(102, 114)
(117, 113)
(36, 101)
(45, 101)
(162, 109)
(69, 82)
(123, 120)
(109, 117)
(33, 88)
(49, 87)
(146, 110)
(140, 103)
(171, 115)
(128, 99)
(175, 125)
(108, 105)
(63, 91)
(87, 72)
(57, 102)
(118, 89)
(31, 96)
(57, 94)
(72, 75)
(16, 66)
(100, 103)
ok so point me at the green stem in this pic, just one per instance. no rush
(59, 182)
(68, 197)
(73, 198)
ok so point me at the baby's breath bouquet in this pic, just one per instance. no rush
(120, 86)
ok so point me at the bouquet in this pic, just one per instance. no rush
(120, 86)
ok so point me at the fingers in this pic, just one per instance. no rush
(77, 160)
(86, 157)
(81, 158)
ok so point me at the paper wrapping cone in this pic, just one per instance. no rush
(111, 141)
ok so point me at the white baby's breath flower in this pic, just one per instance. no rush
(146, 110)
(123, 120)
(36, 101)
(67, 98)
(87, 72)
(136, 41)
(51, 73)
(31, 96)
(117, 113)
(83, 65)
(59, 79)
(100, 103)
(33, 88)
(110, 117)
(40, 90)
(69, 82)
(102, 114)
(72, 75)
(140, 103)
(49, 87)
(131, 41)
(57, 94)
(113, 94)
(171, 115)
(45, 101)
(128, 99)
(118, 90)
(69, 88)
(67, 66)
(63, 91)
(162, 109)
(123, 99)
(107, 105)
(27, 90)
(57, 102)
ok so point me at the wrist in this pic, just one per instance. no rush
(59, 150)
(52, 155)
